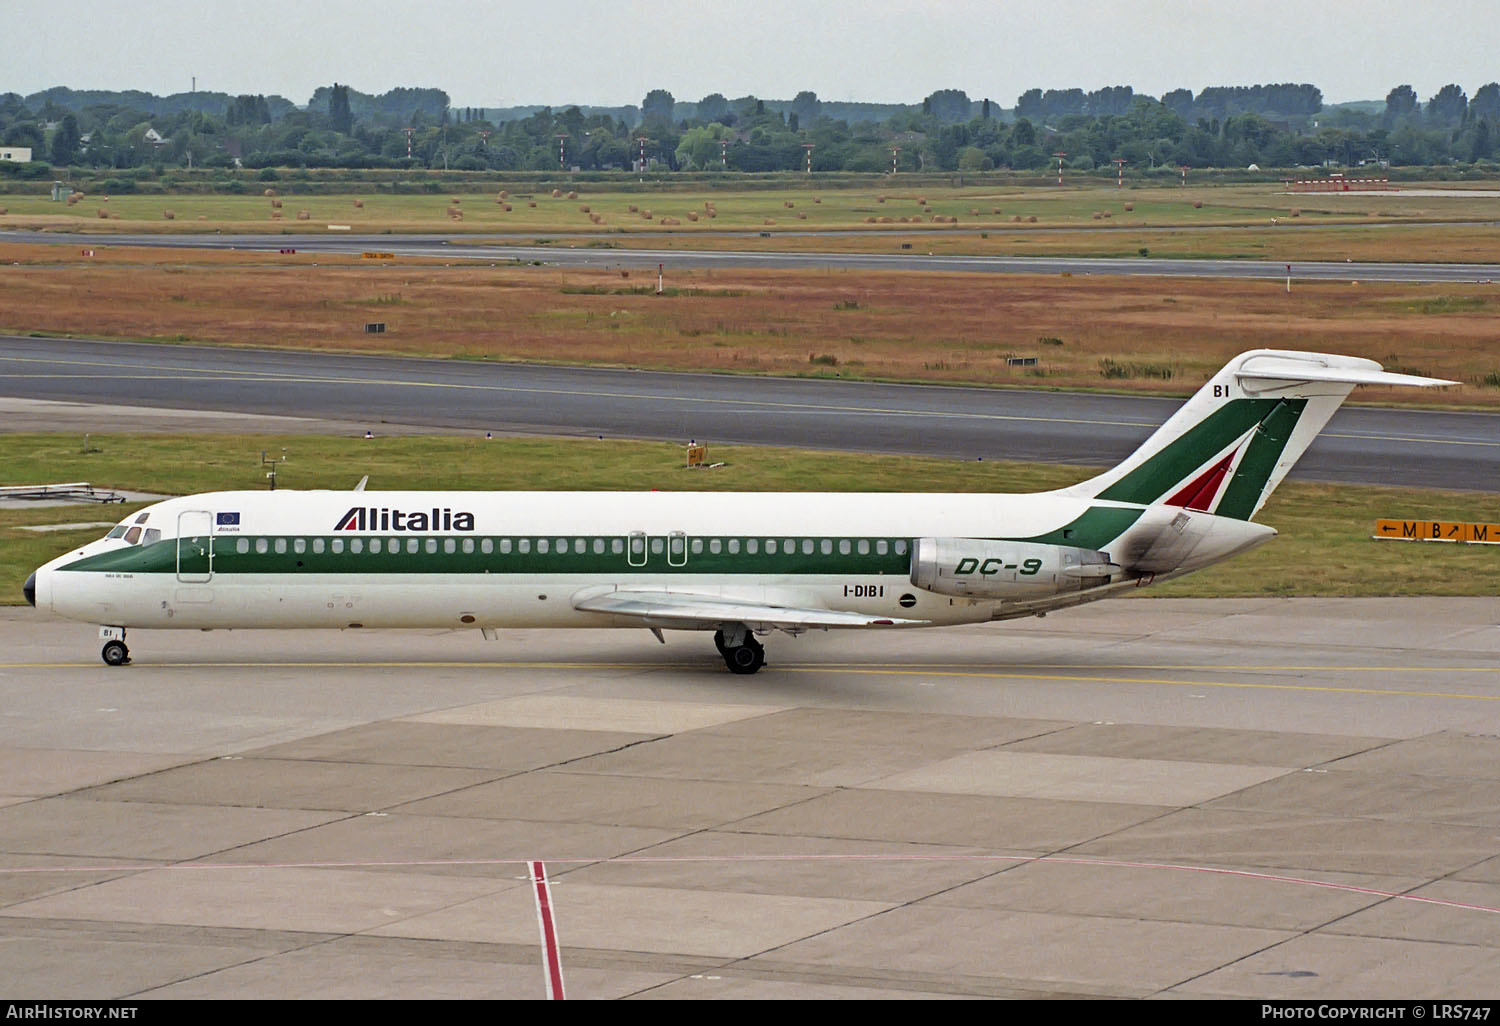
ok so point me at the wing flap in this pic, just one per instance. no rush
(686, 609)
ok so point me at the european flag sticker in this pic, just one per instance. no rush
(229, 520)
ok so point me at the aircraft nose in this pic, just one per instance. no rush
(29, 589)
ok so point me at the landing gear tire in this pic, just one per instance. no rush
(115, 653)
(719, 643)
(746, 658)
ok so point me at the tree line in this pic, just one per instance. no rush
(1271, 126)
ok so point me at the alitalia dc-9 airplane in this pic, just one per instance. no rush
(738, 564)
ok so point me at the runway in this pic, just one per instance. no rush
(1260, 798)
(604, 252)
(1418, 448)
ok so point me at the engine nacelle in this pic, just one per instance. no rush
(1012, 571)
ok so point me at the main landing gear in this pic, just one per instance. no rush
(741, 652)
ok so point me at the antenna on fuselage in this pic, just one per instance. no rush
(273, 464)
(362, 482)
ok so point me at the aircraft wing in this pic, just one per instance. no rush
(660, 608)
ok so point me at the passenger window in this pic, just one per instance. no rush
(562, 546)
(901, 546)
(616, 545)
(430, 545)
(487, 546)
(468, 545)
(580, 546)
(697, 546)
(734, 546)
(770, 546)
(826, 547)
(598, 546)
(843, 546)
(411, 545)
(541, 546)
(790, 547)
(242, 546)
(882, 547)
(299, 546)
(261, 546)
(807, 547)
(280, 546)
(524, 545)
(375, 545)
(356, 545)
(318, 546)
(752, 546)
(637, 545)
(656, 546)
(715, 546)
(864, 546)
(337, 545)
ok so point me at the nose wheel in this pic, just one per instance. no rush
(115, 653)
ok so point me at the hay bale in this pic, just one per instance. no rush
(531, 203)
(1296, 213)
(692, 215)
(1096, 215)
(1031, 219)
(557, 194)
(994, 210)
(276, 215)
(817, 199)
(1197, 204)
(303, 215)
(1129, 207)
(276, 204)
(1107, 214)
(504, 194)
(646, 214)
(455, 201)
(169, 215)
(869, 220)
(974, 211)
(585, 208)
(880, 199)
(1016, 219)
(788, 204)
(3, 211)
(801, 215)
(104, 213)
(201, 217)
(670, 220)
(769, 220)
(573, 195)
(886, 220)
(634, 209)
(359, 204)
(922, 200)
(269, 193)
(506, 208)
(713, 213)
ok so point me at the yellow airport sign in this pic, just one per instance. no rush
(369, 255)
(1439, 530)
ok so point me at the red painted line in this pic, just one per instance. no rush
(551, 956)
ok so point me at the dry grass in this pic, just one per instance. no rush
(912, 326)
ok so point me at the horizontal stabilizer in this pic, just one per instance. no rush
(1277, 368)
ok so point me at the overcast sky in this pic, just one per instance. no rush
(611, 52)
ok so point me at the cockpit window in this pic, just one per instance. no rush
(133, 535)
(143, 518)
(117, 532)
(152, 536)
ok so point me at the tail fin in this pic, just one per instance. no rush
(1229, 447)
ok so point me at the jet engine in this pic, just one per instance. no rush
(1006, 570)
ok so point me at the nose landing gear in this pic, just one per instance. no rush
(115, 653)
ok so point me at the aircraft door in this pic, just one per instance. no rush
(195, 546)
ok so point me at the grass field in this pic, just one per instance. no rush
(1324, 548)
(1139, 334)
(1013, 216)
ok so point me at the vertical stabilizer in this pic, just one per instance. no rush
(1231, 444)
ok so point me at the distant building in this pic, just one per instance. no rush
(17, 153)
